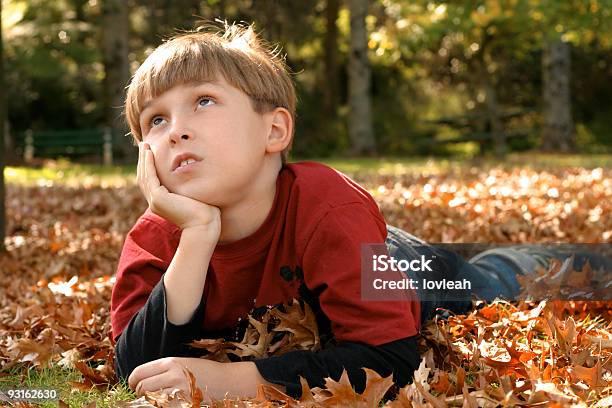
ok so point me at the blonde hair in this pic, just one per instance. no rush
(236, 52)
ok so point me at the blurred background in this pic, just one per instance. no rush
(374, 78)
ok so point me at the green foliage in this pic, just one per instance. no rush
(53, 69)
(430, 59)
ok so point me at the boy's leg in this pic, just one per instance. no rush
(526, 259)
(492, 273)
(402, 245)
(490, 277)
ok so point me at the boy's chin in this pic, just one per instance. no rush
(192, 192)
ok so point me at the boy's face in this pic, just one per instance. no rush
(207, 141)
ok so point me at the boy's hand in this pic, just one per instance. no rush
(217, 380)
(163, 374)
(182, 211)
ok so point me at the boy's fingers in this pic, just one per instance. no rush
(157, 383)
(150, 172)
(169, 390)
(139, 165)
(144, 371)
(142, 176)
(155, 369)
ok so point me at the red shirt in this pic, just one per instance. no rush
(312, 235)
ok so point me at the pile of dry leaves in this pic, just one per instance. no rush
(63, 245)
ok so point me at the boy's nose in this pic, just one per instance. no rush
(180, 134)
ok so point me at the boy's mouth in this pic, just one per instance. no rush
(184, 159)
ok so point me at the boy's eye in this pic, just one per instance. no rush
(203, 101)
(157, 120)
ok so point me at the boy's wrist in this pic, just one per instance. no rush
(201, 234)
(245, 378)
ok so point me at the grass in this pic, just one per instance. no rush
(425, 165)
(68, 173)
(58, 378)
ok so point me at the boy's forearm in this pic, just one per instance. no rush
(185, 278)
(238, 379)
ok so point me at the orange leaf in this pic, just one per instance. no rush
(441, 384)
(194, 391)
(376, 387)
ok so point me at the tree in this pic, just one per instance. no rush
(115, 35)
(557, 121)
(330, 86)
(2, 144)
(564, 24)
(558, 128)
(360, 117)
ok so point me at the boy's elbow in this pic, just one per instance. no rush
(123, 365)
(407, 358)
(120, 371)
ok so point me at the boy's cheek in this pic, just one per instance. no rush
(156, 157)
(164, 176)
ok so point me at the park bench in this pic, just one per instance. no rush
(482, 137)
(468, 120)
(71, 143)
(475, 127)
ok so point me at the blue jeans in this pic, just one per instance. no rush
(492, 272)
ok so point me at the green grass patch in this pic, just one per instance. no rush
(68, 173)
(64, 172)
(539, 160)
(58, 378)
(436, 165)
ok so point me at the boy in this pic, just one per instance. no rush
(232, 226)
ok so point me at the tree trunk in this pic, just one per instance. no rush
(115, 35)
(2, 142)
(273, 31)
(360, 117)
(558, 128)
(330, 85)
(495, 125)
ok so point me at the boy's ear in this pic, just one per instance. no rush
(281, 128)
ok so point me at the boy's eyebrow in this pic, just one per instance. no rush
(147, 103)
(215, 83)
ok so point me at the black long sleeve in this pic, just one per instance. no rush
(400, 357)
(150, 336)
